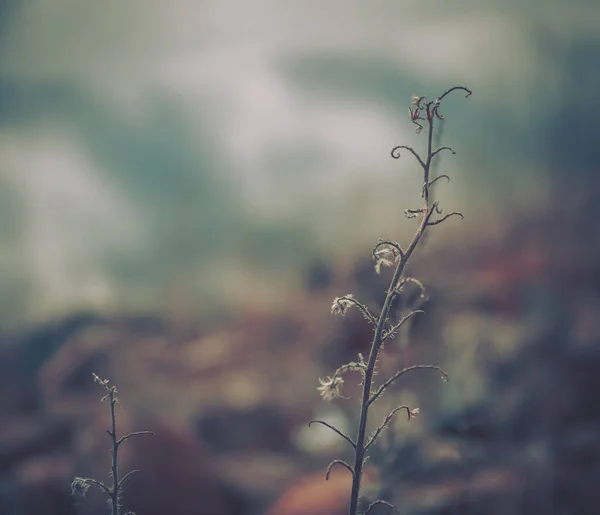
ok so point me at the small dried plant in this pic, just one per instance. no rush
(423, 113)
(81, 485)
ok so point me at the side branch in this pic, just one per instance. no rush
(135, 433)
(414, 281)
(394, 329)
(341, 304)
(335, 429)
(396, 153)
(436, 104)
(399, 374)
(438, 150)
(379, 501)
(338, 462)
(413, 213)
(429, 213)
(437, 179)
(127, 476)
(363, 309)
(385, 422)
(99, 484)
(447, 92)
(455, 213)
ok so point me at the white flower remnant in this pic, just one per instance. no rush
(385, 257)
(413, 413)
(330, 388)
(341, 304)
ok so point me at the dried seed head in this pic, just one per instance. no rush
(102, 382)
(387, 253)
(380, 263)
(385, 256)
(79, 487)
(341, 304)
(416, 100)
(330, 388)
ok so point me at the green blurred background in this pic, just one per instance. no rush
(216, 148)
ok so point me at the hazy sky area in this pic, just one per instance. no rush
(217, 146)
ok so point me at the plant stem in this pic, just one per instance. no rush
(359, 455)
(114, 494)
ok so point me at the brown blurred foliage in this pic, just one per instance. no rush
(512, 318)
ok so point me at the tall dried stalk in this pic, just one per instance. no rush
(389, 253)
(81, 485)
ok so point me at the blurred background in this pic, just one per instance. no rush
(184, 188)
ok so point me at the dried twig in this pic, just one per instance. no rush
(80, 485)
(388, 253)
(338, 462)
(335, 429)
(384, 503)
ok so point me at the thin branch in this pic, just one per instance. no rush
(97, 483)
(412, 213)
(446, 93)
(437, 151)
(416, 282)
(379, 501)
(455, 213)
(335, 429)
(430, 213)
(438, 178)
(363, 309)
(385, 422)
(436, 105)
(353, 366)
(135, 433)
(399, 374)
(396, 153)
(338, 462)
(127, 476)
(394, 329)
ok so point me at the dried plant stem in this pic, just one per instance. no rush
(426, 112)
(114, 493)
(81, 484)
(359, 456)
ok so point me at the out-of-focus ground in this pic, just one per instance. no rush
(515, 430)
(186, 186)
